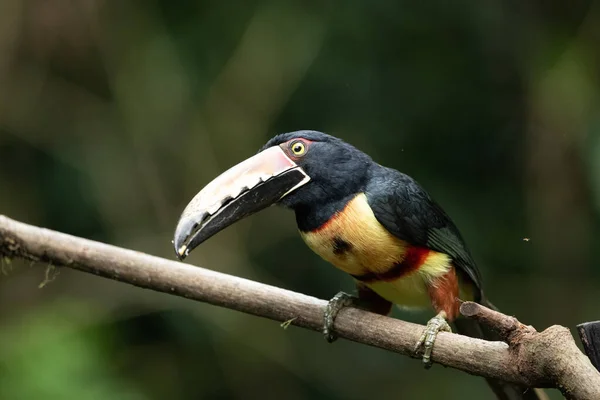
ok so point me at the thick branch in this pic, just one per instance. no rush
(550, 355)
(489, 359)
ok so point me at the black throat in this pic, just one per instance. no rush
(312, 217)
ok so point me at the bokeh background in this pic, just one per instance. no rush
(113, 114)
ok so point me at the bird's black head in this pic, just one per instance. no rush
(302, 170)
(336, 168)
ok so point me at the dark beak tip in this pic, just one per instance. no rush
(181, 251)
(183, 232)
(179, 257)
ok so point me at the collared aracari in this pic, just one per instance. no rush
(372, 222)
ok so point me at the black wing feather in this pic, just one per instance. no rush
(404, 208)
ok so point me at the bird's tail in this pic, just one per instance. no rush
(503, 390)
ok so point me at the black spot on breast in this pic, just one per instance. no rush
(340, 246)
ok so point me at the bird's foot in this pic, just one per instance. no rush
(339, 301)
(427, 339)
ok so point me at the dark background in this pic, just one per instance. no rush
(113, 114)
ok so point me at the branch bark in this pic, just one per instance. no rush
(545, 359)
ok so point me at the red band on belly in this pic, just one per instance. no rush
(413, 259)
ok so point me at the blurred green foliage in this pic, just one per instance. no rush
(113, 114)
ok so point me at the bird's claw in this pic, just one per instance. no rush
(427, 339)
(339, 301)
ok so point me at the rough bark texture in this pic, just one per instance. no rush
(545, 359)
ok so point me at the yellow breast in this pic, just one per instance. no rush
(356, 243)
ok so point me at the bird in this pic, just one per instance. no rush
(372, 222)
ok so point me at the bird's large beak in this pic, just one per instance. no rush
(244, 189)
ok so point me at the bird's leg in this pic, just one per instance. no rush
(367, 299)
(339, 301)
(427, 339)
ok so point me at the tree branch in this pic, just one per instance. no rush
(546, 359)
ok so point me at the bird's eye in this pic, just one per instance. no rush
(298, 148)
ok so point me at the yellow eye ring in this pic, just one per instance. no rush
(298, 148)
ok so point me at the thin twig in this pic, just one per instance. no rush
(545, 359)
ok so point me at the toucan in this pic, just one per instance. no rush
(372, 222)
